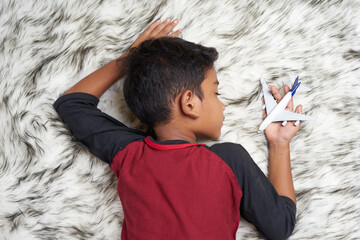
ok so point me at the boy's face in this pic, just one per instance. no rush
(212, 108)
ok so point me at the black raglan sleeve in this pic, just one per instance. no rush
(272, 214)
(102, 134)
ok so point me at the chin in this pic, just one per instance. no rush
(219, 133)
(217, 136)
(209, 137)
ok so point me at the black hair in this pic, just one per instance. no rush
(160, 69)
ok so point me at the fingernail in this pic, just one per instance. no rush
(180, 30)
(175, 21)
(168, 20)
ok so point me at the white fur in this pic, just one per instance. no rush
(53, 188)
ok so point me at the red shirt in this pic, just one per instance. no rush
(182, 191)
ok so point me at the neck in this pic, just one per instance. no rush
(170, 132)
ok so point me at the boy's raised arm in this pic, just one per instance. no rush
(278, 138)
(99, 81)
(102, 134)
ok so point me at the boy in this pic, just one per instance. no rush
(170, 186)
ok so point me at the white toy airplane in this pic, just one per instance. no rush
(276, 112)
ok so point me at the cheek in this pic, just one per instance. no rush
(218, 113)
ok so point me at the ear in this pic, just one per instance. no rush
(190, 104)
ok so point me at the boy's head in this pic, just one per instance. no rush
(165, 71)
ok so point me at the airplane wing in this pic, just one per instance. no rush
(270, 102)
(290, 116)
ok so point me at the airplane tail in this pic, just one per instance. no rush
(295, 86)
(301, 88)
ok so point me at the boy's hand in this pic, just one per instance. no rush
(115, 70)
(275, 133)
(158, 29)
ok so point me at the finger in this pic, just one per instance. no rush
(286, 88)
(276, 93)
(176, 33)
(160, 27)
(151, 27)
(299, 109)
(146, 34)
(290, 105)
(167, 29)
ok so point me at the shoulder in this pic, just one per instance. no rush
(237, 158)
(232, 153)
(227, 148)
(75, 97)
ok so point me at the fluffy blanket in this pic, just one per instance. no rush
(53, 188)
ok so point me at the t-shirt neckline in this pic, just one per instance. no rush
(169, 144)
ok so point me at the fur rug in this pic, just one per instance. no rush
(53, 188)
